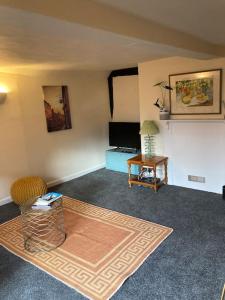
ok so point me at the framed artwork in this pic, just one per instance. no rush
(57, 109)
(196, 93)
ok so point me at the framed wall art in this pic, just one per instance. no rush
(57, 109)
(196, 93)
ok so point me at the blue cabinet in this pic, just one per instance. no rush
(117, 161)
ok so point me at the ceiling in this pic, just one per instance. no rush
(32, 41)
(201, 18)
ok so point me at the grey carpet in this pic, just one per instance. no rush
(189, 264)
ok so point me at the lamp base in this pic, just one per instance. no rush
(149, 146)
(148, 156)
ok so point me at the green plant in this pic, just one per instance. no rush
(164, 87)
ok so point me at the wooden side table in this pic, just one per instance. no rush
(152, 163)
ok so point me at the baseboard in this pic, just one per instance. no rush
(74, 175)
(61, 180)
(5, 200)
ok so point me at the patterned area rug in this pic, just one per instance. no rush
(103, 248)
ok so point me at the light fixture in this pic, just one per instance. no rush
(149, 129)
(3, 94)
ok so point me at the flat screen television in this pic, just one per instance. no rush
(124, 135)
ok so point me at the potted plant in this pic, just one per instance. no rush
(160, 103)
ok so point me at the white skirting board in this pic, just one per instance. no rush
(5, 200)
(74, 175)
(61, 180)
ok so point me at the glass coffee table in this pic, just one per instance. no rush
(43, 229)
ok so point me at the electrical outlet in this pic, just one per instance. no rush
(196, 178)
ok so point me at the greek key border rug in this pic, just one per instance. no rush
(103, 248)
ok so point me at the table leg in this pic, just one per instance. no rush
(129, 175)
(166, 176)
(140, 169)
(155, 179)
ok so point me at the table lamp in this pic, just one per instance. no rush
(149, 129)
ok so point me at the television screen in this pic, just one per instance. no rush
(124, 135)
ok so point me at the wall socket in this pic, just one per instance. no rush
(196, 178)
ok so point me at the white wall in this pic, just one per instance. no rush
(126, 99)
(13, 162)
(193, 147)
(27, 148)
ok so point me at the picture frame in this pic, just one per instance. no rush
(196, 93)
(57, 108)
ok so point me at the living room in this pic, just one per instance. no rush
(49, 45)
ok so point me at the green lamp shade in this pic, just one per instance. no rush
(149, 128)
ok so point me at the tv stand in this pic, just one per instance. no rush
(116, 159)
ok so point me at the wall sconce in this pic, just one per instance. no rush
(3, 94)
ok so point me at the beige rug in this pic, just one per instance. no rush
(103, 248)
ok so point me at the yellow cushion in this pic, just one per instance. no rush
(26, 188)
